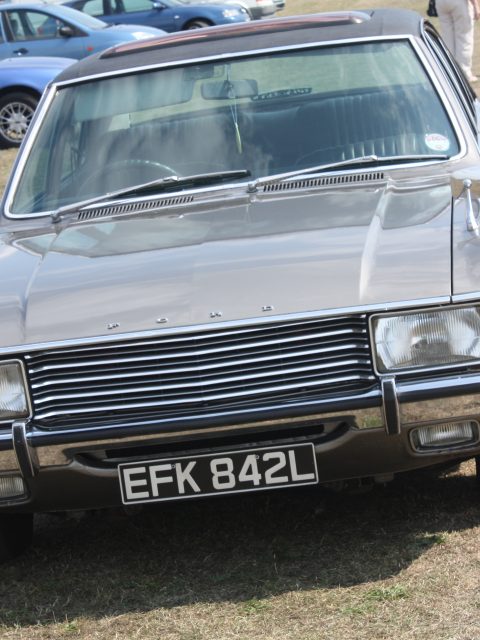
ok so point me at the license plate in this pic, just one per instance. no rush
(218, 473)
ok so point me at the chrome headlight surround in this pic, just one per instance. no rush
(426, 339)
(14, 396)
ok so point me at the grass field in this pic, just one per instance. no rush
(401, 562)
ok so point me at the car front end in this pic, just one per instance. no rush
(226, 309)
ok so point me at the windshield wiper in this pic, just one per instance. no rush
(359, 161)
(168, 183)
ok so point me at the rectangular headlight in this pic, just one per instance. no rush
(13, 395)
(427, 339)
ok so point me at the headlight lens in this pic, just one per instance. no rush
(13, 396)
(427, 339)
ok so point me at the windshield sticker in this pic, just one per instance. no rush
(437, 142)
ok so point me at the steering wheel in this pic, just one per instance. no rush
(124, 173)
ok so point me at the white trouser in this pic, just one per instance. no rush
(456, 25)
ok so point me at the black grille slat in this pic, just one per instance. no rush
(172, 375)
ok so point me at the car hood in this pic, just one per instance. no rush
(143, 31)
(284, 254)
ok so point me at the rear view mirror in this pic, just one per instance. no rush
(229, 89)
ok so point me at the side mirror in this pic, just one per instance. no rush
(158, 5)
(457, 181)
(65, 31)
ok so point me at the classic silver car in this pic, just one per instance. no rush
(241, 259)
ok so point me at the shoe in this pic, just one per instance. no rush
(472, 78)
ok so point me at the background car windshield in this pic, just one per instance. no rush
(267, 113)
(81, 19)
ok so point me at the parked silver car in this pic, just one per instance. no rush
(256, 8)
(249, 262)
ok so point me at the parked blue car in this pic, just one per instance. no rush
(56, 30)
(22, 81)
(169, 15)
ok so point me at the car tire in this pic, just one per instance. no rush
(16, 532)
(197, 24)
(16, 112)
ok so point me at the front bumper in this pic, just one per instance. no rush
(356, 437)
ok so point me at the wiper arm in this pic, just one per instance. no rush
(169, 183)
(358, 161)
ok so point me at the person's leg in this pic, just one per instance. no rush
(463, 32)
(445, 17)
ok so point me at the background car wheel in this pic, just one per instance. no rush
(16, 531)
(16, 112)
(197, 24)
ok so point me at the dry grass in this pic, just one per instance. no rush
(401, 562)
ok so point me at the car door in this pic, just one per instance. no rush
(37, 33)
(4, 44)
(143, 12)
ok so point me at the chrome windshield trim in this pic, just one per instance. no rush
(18, 167)
(48, 97)
(325, 313)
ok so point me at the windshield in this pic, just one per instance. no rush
(263, 114)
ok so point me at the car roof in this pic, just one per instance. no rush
(26, 5)
(248, 36)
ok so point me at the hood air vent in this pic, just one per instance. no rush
(132, 207)
(326, 181)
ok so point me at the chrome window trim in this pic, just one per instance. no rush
(184, 329)
(415, 370)
(12, 419)
(48, 98)
(452, 75)
(466, 297)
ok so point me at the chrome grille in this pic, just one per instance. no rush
(192, 372)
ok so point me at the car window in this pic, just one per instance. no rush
(80, 19)
(93, 7)
(130, 6)
(32, 25)
(268, 114)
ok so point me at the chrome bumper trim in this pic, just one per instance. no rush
(64, 449)
(441, 400)
(407, 404)
(24, 452)
(390, 406)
